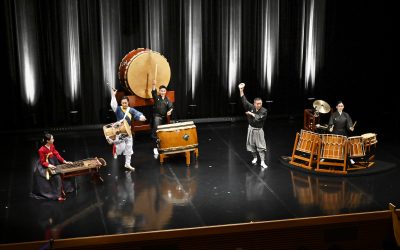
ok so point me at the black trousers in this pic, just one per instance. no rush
(157, 120)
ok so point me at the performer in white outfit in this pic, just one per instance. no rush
(124, 143)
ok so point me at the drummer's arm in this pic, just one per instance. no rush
(261, 117)
(350, 123)
(137, 115)
(330, 125)
(113, 102)
(154, 91)
(170, 108)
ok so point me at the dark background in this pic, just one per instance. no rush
(358, 64)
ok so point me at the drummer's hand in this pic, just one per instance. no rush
(169, 112)
(68, 162)
(52, 167)
(330, 129)
(351, 129)
(142, 118)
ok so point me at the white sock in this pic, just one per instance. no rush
(263, 164)
(128, 160)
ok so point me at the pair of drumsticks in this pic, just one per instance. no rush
(352, 127)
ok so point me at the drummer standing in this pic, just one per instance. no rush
(340, 121)
(162, 108)
(124, 143)
(256, 116)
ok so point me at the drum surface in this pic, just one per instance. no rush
(370, 138)
(356, 146)
(140, 67)
(333, 146)
(306, 141)
(177, 136)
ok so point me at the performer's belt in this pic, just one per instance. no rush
(254, 127)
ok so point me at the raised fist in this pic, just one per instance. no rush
(241, 86)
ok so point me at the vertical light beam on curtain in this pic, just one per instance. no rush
(193, 31)
(270, 42)
(110, 40)
(234, 52)
(313, 17)
(27, 49)
(71, 47)
(154, 16)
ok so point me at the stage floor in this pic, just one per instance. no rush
(221, 187)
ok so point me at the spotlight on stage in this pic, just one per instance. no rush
(310, 101)
(192, 111)
(73, 115)
(232, 109)
(268, 105)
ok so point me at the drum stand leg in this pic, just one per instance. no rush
(187, 155)
(97, 178)
(162, 156)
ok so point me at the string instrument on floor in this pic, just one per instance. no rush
(81, 167)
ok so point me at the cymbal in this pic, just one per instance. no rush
(321, 106)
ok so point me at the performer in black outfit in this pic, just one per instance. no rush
(340, 122)
(162, 108)
(256, 116)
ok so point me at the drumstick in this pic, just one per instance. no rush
(354, 124)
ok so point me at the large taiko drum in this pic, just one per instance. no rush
(356, 146)
(177, 137)
(306, 140)
(140, 67)
(333, 146)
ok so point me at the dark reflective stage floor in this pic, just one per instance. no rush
(221, 187)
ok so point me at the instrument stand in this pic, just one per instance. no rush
(367, 162)
(310, 121)
(186, 152)
(301, 158)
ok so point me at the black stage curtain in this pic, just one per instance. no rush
(356, 55)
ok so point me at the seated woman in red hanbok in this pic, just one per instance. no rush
(53, 188)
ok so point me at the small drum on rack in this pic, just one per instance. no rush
(177, 137)
(333, 146)
(306, 141)
(140, 67)
(117, 128)
(370, 143)
(356, 146)
(369, 138)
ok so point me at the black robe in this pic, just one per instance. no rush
(49, 189)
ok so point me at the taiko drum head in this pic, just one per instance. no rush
(140, 67)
